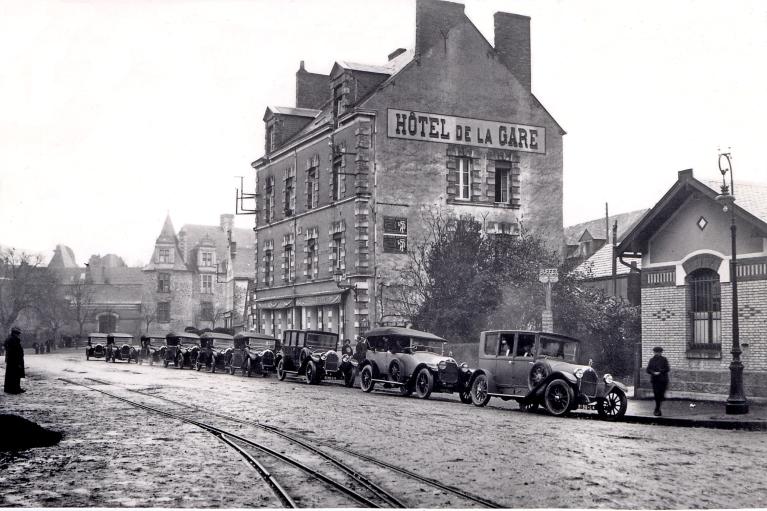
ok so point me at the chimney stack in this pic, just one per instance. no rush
(226, 222)
(433, 19)
(512, 42)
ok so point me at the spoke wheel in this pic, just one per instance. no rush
(311, 372)
(465, 397)
(528, 407)
(395, 371)
(424, 383)
(165, 363)
(479, 395)
(558, 397)
(538, 373)
(613, 406)
(366, 379)
(281, 370)
(245, 369)
(180, 362)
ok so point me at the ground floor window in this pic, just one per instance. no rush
(107, 323)
(705, 308)
(163, 312)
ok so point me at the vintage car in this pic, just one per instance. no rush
(313, 354)
(96, 347)
(215, 350)
(152, 348)
(539, 368)
(253, 353)
(412, 361)
(181, 349)
(122, 347)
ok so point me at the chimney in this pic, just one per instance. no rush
(396, 53)
(227, 222)
(512, 42)
(433, 20)
(312, 89)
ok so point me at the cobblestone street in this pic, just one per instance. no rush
(114, 454)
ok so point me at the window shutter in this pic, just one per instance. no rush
(452, 177)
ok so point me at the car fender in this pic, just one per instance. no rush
(417, 370)
(491, 386)
(603, 389)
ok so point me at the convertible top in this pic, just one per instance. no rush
(403, 332)
(118, 335)
(98, 335)
(182, 335)
(254, 335)
(216, 335)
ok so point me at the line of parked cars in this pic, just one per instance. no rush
(535, 369)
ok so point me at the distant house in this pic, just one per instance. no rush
(684, 243)
(590, 250)
(199, 277)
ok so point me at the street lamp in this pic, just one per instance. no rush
(736, 401)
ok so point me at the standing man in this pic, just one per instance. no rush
(14, 362)
(658, 370)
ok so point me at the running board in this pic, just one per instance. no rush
(390, 382)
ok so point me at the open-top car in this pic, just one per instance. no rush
(96, 347)
(313, 354)
(152, 348)
(215, 350)
(539, 368)
(181, 349)
(122, 346)
(412, 361)
(252, 353)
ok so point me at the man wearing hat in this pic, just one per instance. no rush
(658, 369)
(14, 362)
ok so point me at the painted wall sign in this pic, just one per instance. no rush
(395, 225)
(395, 244)
(461, 130)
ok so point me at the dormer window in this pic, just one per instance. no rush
(206, 258)
(338, 100)
(163, 255)
(270, 139)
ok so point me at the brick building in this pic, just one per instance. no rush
(200, 276)
(368, 151)
(685, 248)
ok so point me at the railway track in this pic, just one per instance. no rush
(310, 445)
(234, 441)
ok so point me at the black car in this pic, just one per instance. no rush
(253, 353)
(181, 349)
(97, 346)
(122, 347)
(313, 354)
(215, 350)
(152, 348)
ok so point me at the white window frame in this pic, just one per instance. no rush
(464, 177)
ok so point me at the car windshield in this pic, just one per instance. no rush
(261, 345)
(558, 348)
(320, 340)
(220, 343)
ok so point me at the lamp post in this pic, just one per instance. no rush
(736, 401)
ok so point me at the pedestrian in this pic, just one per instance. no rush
(36, 347)
(658, 370)
(48, 345)
(347, 348)
(14, 362)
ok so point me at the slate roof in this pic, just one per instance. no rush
(116, 276)
(750, 196)
(196, 235)
(626, 221)
(168, 233)
(63, 257)
(289, 110)
(600, 264)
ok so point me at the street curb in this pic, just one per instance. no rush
(747, 425)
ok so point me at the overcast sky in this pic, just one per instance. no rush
(115, 112)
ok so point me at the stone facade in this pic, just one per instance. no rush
(685, 234)
(448, 128)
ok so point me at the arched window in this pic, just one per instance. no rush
(705, 308)
(107, 323)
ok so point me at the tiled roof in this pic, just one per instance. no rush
(750, 196)
(596, 228)
(195, 234)
(301, 112)
(168, 234)
(116, 276)
(600, 264)
(63, 257)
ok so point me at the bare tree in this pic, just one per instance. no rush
(21, 285)
(148, 311)
(80, 293)
(53, 306)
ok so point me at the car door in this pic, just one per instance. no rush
(504, 365)
(524, 358)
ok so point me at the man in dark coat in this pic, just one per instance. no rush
(658, 370)
(14, 363)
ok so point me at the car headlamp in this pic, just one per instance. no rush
(323, 356)
(442, 365)
(579, 373)
(345, 358)
(464, 366)
(608, 378)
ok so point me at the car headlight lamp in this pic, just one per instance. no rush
(323, 356)
(608, 378)
(345, 358)
(464, 367)
(442, 365)
(579, 373)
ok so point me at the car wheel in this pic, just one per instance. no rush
(395, 371)
(245, 367)
(198, 366)
(231, 369)
(165, 363)
(558, 397)
(180, 362)
(465, 397)
(538, 374)
(613, 406)
(366, 379)
(424, 383)
(311, 372)
(281, 370)
(479, 395)
(405, 390)
(349, 377)
(87, 355)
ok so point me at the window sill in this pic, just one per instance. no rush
(704, 351)
(469, 202)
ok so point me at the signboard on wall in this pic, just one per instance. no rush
(430, 127)
(395, 225)
(395, 244)
(395, 234)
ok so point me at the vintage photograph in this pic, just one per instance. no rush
(417, 254)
